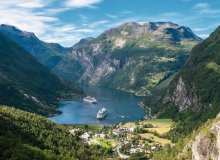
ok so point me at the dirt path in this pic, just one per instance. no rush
(149, 110)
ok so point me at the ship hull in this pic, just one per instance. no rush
(88, 101)
(101, 117)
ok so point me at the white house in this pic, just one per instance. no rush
(74, 130)
(131, 129)
(85, 136)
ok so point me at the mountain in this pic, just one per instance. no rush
(133, 57)
(27, 84)
(83, 42)
(193, 96)
(48, 54)
(26, 136)
(202, 144)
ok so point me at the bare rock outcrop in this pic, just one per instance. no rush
(207, 146)
(184, 98)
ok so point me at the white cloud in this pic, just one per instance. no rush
(203, 36)
(200, 29)
(111, 16)
(82, 3)
(201, 6)
(97, 23)
(33, 4)
(205, 9)
(40, 17)
(86, 30)
(26, 20)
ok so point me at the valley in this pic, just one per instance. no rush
(132, 57)
(121, 107)
(107, 80)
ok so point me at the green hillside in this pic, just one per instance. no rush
(193, 96)
(27, 84)
(201, 144)
(48, 54)
(25, 136)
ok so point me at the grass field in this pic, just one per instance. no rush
(105, 143)
(214, 66)
(161, 130)
(155, 138)
(157, 123)
(161, 126)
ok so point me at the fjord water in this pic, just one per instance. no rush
(121, 106)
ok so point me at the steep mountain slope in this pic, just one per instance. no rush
(202, 144)
(27, 84)
(134, 57)
(193, 95)
(48, 54)
(26, 136)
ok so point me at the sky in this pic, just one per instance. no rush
(67, 21)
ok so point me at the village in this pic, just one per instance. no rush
(124, 140)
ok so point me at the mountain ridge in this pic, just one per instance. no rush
(103, 59)
(27, 84)
(192, 96)
(47, 53)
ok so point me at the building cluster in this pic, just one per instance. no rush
(122, 136)
(123, 131)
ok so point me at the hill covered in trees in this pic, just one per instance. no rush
(27, 84)
(25, 136)
(193, 96)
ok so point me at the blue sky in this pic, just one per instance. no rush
(67, 21)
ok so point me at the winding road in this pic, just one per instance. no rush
(149, 110)
(122, 156)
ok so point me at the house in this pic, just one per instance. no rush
(153, 148)
(135, 150)
(100, 136)
(85, 136)
(120, 131)
(74, 130)
(131, 129)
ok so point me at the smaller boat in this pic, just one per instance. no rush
(90, 99)
(102, 113)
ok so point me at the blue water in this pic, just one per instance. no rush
(121, 106)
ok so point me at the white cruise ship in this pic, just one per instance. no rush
(90, 99)
(102, 113)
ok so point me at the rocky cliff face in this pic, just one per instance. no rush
(197, 84)
(134, 57)
(204, 147)
(203, 144)
(182, 97)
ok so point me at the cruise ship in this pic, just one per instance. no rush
(90, 99)
(102, 113)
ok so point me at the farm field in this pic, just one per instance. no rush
(159, 126)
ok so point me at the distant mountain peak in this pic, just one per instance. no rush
(157, 25)
(47, 53)
(154, 31)
(14, 30)
(152, 25)
(84, 41)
